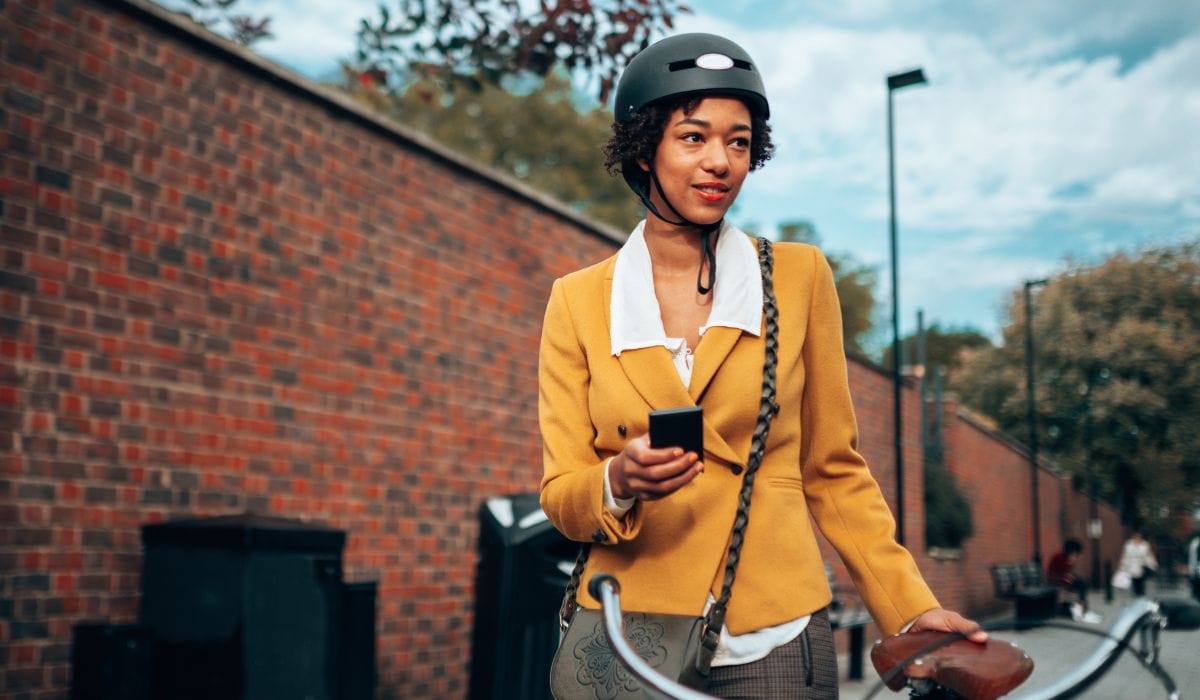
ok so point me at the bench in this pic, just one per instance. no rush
(1023, 583)
(846, 612)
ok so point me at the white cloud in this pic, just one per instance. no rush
(996, 146)
(1047, 129)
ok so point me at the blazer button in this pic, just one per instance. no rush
(736, 469)
(621, 430)
(599, 536)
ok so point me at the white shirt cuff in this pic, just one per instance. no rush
(617, 506)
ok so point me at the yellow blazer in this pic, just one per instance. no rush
(669, 554)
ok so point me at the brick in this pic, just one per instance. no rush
(36, 492)
(102, 322)
(170, 254)
(17, 282)
(117, 155)
(97, 538)
(22, 101)
(117, 239)
(53, 177)
(17, 237)
(116, 198)
(31, 582)
(200, 205)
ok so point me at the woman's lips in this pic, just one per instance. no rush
(711, 192)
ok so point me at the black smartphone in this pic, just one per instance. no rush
(678, 427)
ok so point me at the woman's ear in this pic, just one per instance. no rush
(643, 165)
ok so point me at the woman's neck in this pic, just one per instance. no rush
(673, 248)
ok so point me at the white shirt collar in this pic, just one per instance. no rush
(636, 320)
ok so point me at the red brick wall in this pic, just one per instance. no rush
(993, 473)
(225, 289)
(222, 294)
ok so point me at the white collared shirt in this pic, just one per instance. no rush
(636, 322)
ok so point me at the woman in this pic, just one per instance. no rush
(1137, 560)
(675, 319)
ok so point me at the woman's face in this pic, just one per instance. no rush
(703, 158)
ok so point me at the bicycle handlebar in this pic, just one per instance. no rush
(1140, 617)
(605, 588)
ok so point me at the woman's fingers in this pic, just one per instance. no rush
(949, 621)
(652, 473)
(664, 479)
(640, 451)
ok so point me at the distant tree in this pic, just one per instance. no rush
(948, 518)
(485, 42)
(1118, 381)
(855, 284)
(219, 16)
(945, 348)
(541, 138)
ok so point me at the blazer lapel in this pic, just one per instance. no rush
(650, 370)
(715, 346)
(653, 375)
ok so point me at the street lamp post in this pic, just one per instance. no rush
(1031, 417)
(895, 82)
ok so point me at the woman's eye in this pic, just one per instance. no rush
(692, 137)
(741, 143)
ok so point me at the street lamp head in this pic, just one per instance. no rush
(915, 76)
(1035, 283)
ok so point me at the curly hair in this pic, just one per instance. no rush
(638, 139)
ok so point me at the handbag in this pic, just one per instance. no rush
(681, 647)
(1122, 580)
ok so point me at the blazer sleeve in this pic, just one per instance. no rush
(572, 488)
(843, 497)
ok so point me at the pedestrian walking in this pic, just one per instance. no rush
(1193, 564)
(1138, 562)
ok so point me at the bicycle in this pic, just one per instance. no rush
(931, 664)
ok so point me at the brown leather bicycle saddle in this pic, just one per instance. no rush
(978, 671)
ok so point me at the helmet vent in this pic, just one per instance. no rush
(710, 61)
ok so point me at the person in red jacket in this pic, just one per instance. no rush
(1061, 572)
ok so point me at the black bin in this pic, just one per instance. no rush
(524, 564)
(111, 662)
(249, 607)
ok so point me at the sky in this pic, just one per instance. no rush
(1048, 131)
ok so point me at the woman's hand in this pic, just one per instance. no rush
(647, 474)
(943, 620)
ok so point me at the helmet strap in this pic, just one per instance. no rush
(707, 253)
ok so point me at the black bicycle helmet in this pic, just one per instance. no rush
(686, 64)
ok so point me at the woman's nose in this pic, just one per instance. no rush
(716, 160)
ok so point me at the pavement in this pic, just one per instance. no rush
(1056, 651)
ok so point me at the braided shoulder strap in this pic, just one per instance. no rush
(715, 619)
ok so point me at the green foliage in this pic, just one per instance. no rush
(945, 348)
(948, 520)
(540, 138)
(855, 284)
(1117, 389)
(476, 43)
(219, 16)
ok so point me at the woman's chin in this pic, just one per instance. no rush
(701, 218)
